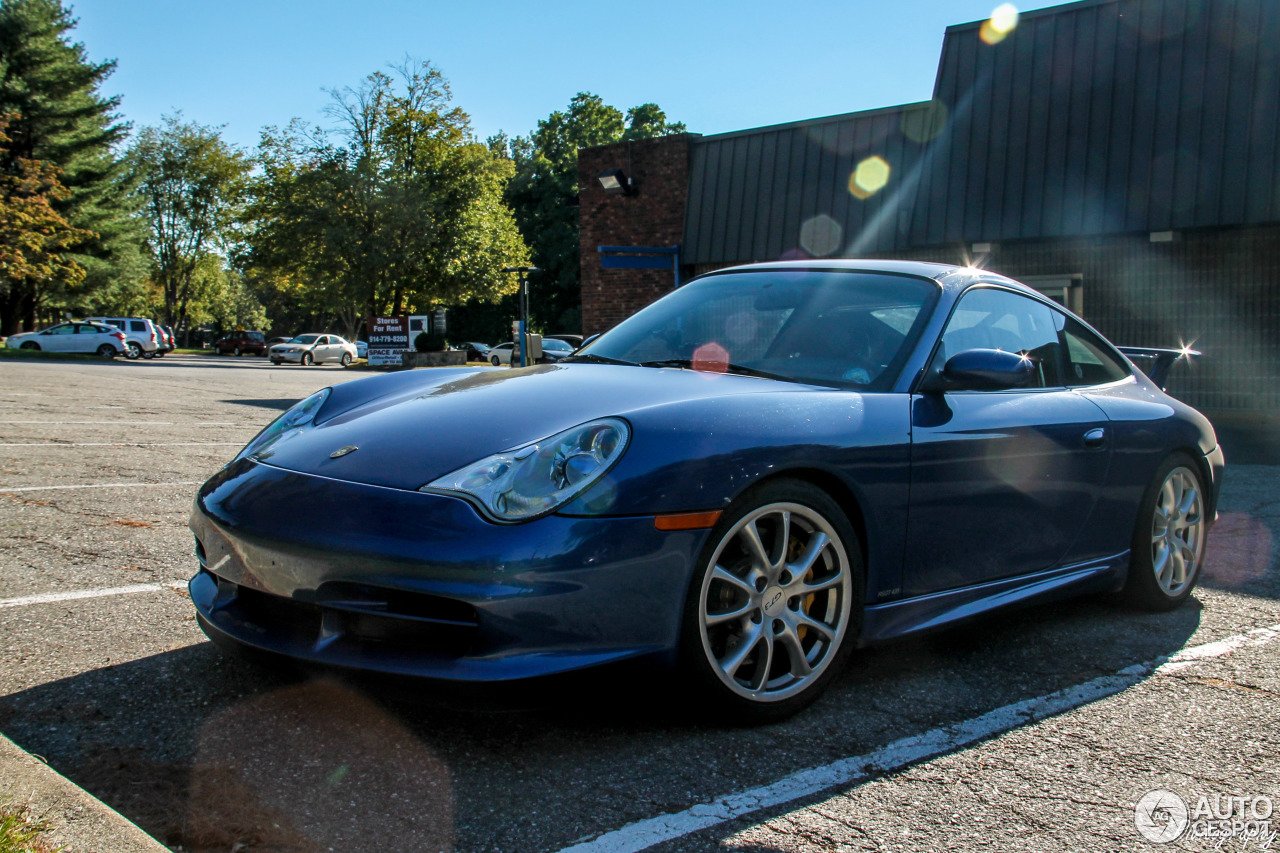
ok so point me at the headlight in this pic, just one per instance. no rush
(292, 422)
(537, 479)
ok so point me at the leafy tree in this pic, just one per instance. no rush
(544, 193)
(193, 186)
(401, 210)
(59, 118)
(34, 236)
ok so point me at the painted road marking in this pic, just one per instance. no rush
(5, 489)
(646, 833)
(124, 422)
(102, 592)
(122, 444)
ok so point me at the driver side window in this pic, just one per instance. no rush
(991, 318)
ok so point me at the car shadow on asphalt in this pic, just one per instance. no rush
(209, 752)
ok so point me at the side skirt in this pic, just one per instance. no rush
(942, 609)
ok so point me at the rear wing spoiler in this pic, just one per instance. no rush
(1156, 362)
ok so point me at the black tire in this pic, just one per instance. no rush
(495, 361)
(306, 360)
(134, 350)
(146, 354)
(159, 353)
(345, 361)
(30, 345)
(276, 362)
(814, 630)
(107, 351)
(236, 352)
(1167, 551)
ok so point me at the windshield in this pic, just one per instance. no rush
(842, 328)
(304, 339)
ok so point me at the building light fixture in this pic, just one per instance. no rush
(616, 182)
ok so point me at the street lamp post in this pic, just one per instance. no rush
(524, 273)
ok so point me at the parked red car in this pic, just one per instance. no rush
(240, 342)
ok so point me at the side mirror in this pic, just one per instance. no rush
(981, 370)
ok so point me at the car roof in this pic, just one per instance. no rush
(951, 276)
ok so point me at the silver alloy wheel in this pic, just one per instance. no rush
(774, 606)
(1177, 531)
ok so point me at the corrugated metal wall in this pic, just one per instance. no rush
(1100, 117)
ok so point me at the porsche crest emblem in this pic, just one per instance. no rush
(343, 451)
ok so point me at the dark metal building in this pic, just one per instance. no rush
(1121, 155)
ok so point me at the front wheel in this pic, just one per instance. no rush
(236, 352)
(1169, 537)
(306, 359)
(276, 362)
(775, 607)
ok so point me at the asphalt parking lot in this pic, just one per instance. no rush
(1038, 730)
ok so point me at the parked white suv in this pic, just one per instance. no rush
(142, 338)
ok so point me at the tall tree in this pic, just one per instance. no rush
(193, 186)
(61, 119)
(544, 194)
(34, 236)
(401, 210)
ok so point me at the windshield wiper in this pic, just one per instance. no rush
(740, 369)
(592, 358)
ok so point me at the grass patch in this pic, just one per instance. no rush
(23, 832)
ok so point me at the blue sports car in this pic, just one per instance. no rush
(741, 483)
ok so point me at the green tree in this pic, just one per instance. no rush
(403, 212)
(544, 194)
(61, 119)
(34, 236)
(193, 187)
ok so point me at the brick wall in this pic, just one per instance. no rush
(653, 216)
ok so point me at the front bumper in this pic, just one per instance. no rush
(291, 357)
(392, 581)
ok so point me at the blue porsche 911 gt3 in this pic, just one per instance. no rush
(742, 482)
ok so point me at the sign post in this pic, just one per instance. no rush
(523, 339)
(388, 340)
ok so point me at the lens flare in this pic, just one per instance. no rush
(869, 178)
(821, 235)
(1003, 20)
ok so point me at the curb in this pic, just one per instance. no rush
(81, 822)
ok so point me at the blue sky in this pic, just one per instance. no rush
(716, 65)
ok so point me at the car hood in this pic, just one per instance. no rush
(411, 431)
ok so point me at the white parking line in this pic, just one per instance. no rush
(4, 489)
(137, 419)
(646, 833)
(122, 444)
(103, 592)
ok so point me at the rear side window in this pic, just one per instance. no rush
(1089, 360)
(255, 336)
(137, 326)
(119, 324)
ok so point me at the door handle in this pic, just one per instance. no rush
(1095, 437)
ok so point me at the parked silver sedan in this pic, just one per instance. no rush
(314, 349)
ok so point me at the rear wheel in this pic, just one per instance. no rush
(107, 351)
(236, 352)
(346, 359)
(775, 606)
(29, 345)
(495, 362)
(1169, 538)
